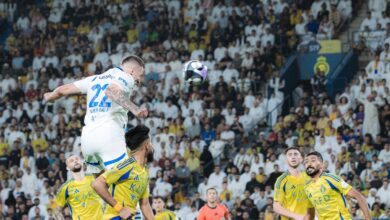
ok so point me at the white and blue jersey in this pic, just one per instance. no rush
(100, 109)
(103, 136)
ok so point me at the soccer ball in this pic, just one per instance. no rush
(194, 72)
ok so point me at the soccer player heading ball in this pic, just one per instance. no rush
(108, 102)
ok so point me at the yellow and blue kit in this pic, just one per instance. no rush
(128, 183)
(289, 191)
(327, 196)
(83, 201)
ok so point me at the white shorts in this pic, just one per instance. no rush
(103, 147)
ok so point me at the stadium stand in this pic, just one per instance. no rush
(205, 136)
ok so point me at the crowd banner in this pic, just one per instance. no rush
(324, 57)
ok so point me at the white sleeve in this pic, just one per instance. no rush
(83, 84)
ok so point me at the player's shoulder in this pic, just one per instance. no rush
(329, 176)
(65, 185)
(80, 83)
(282, 178)
(126, 163)
(106, 76)
(120, 73)
(119, 76)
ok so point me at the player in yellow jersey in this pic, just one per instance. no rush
(326, 192)
(127, 183)
(289, 199)
(161, 212)
(78, 194)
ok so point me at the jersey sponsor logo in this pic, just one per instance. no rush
(106, 77)
(320, 199)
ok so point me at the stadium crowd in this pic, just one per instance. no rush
(204, 136)
(373, 33)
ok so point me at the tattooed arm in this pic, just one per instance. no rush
(116, 94)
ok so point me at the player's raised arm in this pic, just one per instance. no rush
(61, 91)
(77, 87)
(362, 202)
(116, 94)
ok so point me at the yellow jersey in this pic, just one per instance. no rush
(129, 182)
(40, 142)
(326, 195)
(165, 215)
(81, 198)
(3, 145)
(223, 194)
(289, 191)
